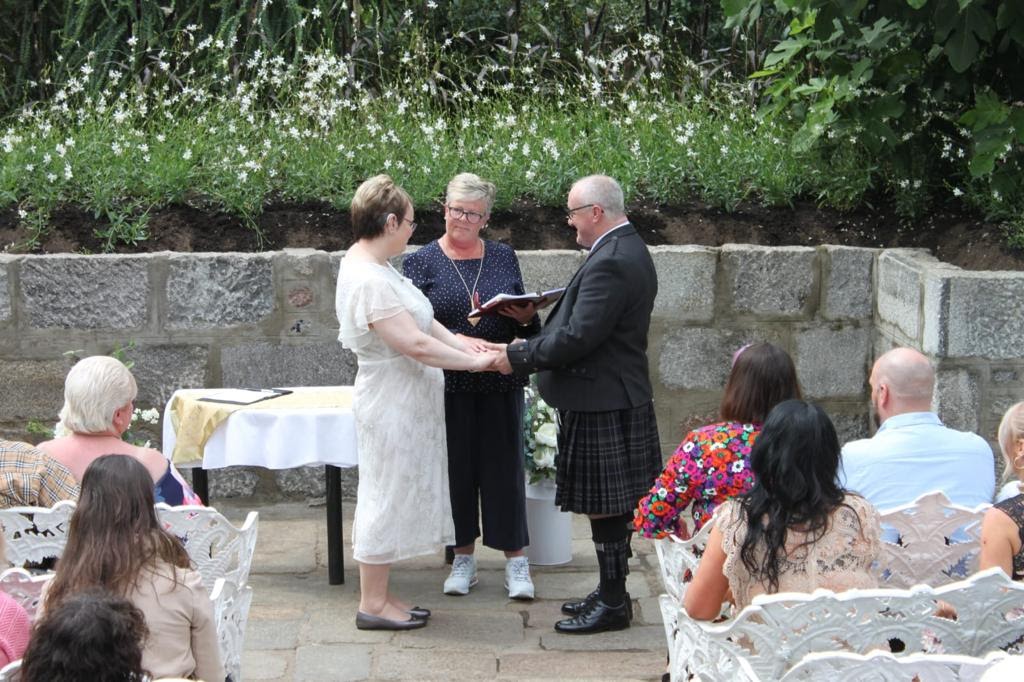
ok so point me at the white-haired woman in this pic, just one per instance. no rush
(483, 411)
(99, 400)
(1002, 531)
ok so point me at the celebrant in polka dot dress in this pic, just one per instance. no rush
(483, 411)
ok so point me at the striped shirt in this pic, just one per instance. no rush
(30, 477)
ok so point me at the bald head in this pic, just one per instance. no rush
(902, 380)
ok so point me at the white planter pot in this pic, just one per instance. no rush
(550, 528)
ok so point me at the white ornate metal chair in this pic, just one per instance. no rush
(24, 588)
(11, 672)
(231, 613)
(882, 666)
(35, 534)
(776, 631)
(939, 542)
(678, 561)
(219, 549)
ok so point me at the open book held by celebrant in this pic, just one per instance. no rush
(501, 301)
(244, 396)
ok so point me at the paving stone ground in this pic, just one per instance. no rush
(302, 629)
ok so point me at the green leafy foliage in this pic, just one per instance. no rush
(210, 129)
(932, 88)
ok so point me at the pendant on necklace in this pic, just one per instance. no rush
(474, 320)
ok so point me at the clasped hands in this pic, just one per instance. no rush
(491, 356)
(497, 358)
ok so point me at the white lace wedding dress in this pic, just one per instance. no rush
(402, 509)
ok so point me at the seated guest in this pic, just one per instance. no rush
(116, 543)
(712, 463)
(15, 625)
(31, 478)
(796, 530)
(1002, 531)
(912, 453)
(1011, 428)
(99, 394)
(92, 635)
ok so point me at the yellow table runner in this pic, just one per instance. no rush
(195, 420)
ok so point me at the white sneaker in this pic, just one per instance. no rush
(517, 578)
(463, 575)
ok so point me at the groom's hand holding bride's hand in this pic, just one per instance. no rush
(484, 361)
(501, 363)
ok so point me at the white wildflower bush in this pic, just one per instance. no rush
(206, 125)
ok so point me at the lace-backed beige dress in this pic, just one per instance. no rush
(839, 560)
(402, 506)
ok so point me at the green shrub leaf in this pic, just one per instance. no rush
(988, 110)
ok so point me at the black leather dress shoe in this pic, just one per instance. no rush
(599, 617)
(575, 608)
(417, 612)
(365, 621)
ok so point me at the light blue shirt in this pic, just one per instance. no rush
(913, 454)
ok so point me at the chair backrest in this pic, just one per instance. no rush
(35, 534)
(24, 588)
(772, 634)
(881, 666)
(219, 549)
(11, 672)
(939, 542)
(678, 559)
(231, 605)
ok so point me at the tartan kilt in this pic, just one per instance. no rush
(606, 461)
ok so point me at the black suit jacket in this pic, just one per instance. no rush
(592, 351)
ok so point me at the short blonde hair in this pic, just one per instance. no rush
(373, 202)
(471, 187)
(94, 389)
(1011, 430)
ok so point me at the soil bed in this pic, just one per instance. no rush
(957, 238)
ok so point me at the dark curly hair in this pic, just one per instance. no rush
(93, 635)
(795, 461)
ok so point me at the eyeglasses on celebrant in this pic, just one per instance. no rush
(471, 217)
(569, 213)
(412, 223)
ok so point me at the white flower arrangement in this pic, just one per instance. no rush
(540, 437)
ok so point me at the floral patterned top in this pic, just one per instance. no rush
(711, 465)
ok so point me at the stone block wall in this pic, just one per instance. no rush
(970, 323)
(268, 320)
(814, 302)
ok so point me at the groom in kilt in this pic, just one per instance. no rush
(591, 359)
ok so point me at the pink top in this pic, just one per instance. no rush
(15, 627)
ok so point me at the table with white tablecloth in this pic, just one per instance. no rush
(279, 438)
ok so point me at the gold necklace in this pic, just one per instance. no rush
(470, 292)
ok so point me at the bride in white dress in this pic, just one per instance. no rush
(403, 508)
